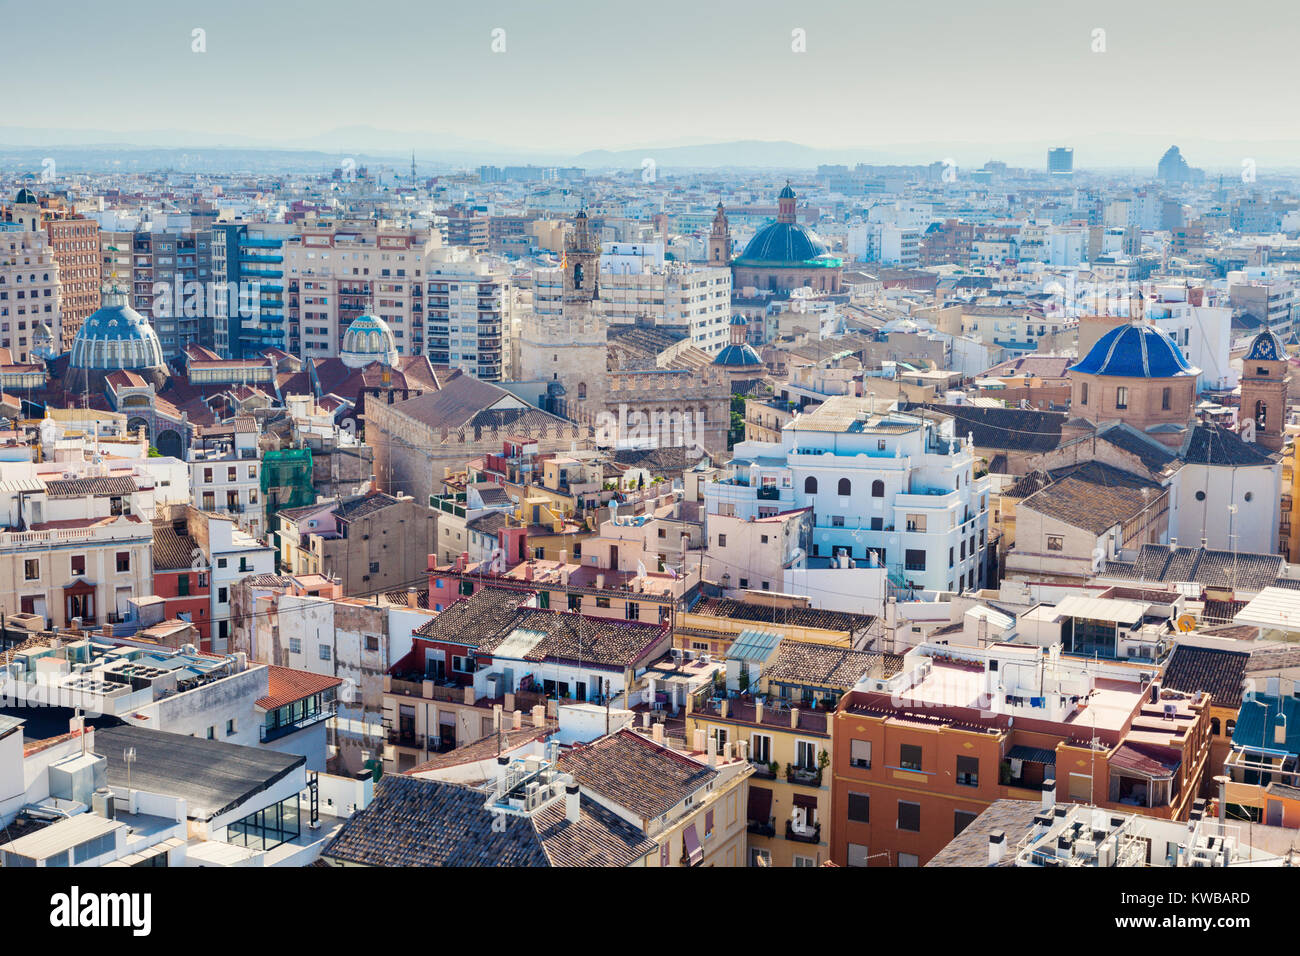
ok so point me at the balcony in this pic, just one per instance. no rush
(267, 734)
(803, 776)
(759, 828)
(807, 834)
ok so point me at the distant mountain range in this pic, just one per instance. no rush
(201, 149)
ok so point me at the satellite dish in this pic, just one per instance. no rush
(1185, 623)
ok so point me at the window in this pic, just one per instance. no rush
(859, 807)
(374, 567)
(1121, 397)
(909, 757)
(722, 541)
(295, 645)
(602, 602)
(909, 816)
(325, 652)
(968, 771)
(806, 754)
(1164, 399)
(1083, 394)
(1055, 542)
(755, 855)
(810, 485)
(914, 559)
(223, 595)
(633, 611)
(857, 854)
(916, 522)
(230, 727)
(575, 602)
(804, 861)
(860, 754)
(124, 561)
(908, 859)
(1080, 787)
(960, 821)
(760, 748)
(78, 564)
(372, 642)
(844, 488)
(877, 489)
(212, 733)
(31, 569)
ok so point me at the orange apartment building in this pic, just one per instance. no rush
(918, 757)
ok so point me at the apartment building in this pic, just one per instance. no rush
(225, 476)
(74, 241)
(30, 290)
(470, 314)
(893, 495)
(919, 756)
(368, 543)
(776, 709)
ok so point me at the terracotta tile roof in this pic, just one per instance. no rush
(636, 773)
(1253, 572)
(479, 617)
(805, 662)
(417, 822)
(171, 551)
(971, 846)
(284, 685)
(89, 487)
(1218, 672)
(567, 636)
(793, 616)
(1095, 497)
(486, 748)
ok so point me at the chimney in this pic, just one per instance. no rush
(794, 718)
(997, 846)
(1279, 730)
(539, 716)
(657, 734)
(758, 711)
(713, 751)
(503, 766)
(108, 630)
(725, 706)
(411, 601)
(1049, 793)
(572, 803)
(700, 738)
(645, 719)
(528, 571)
(497, 712)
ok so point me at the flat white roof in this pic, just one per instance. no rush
(61, 836)
(1101, 609)
(1274, 607)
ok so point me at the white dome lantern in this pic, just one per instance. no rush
(368, 339)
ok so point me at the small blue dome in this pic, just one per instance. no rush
(1266, 347)
(739, 320)
(1135, 351)
(738, 355)
(116, 336)
(786, 193)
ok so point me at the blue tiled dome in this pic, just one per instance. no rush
(788, 244)
(738, 355)
(368, 339)
(1135, 351)
(116, 336)
(1266, 347)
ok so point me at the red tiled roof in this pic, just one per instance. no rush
(284, 685)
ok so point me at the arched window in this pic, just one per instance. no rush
(1232, 725)
(1261, 413)
(845, 488)
(1214, 726)
(1164, 399)
(1083, 393)
(877, 489)
(582, 390)
(810, 485)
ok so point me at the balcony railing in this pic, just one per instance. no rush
(808, 834)
(803, 776)
(266, 733)
(758, 828)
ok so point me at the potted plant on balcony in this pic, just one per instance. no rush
(823, 761)
(774, 768)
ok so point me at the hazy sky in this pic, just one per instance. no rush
(580, 74)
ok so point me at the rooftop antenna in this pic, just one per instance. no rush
(128, 758)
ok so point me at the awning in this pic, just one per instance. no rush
(806, 801)
(1154, 762)
(760, 805)
(1032, 754)
(693, 849)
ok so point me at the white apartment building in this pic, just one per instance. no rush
(30, 293)
(888, 489)
(232, 555)
(470, 316)
(637, 281)
(225, 478)
(1204, 333)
